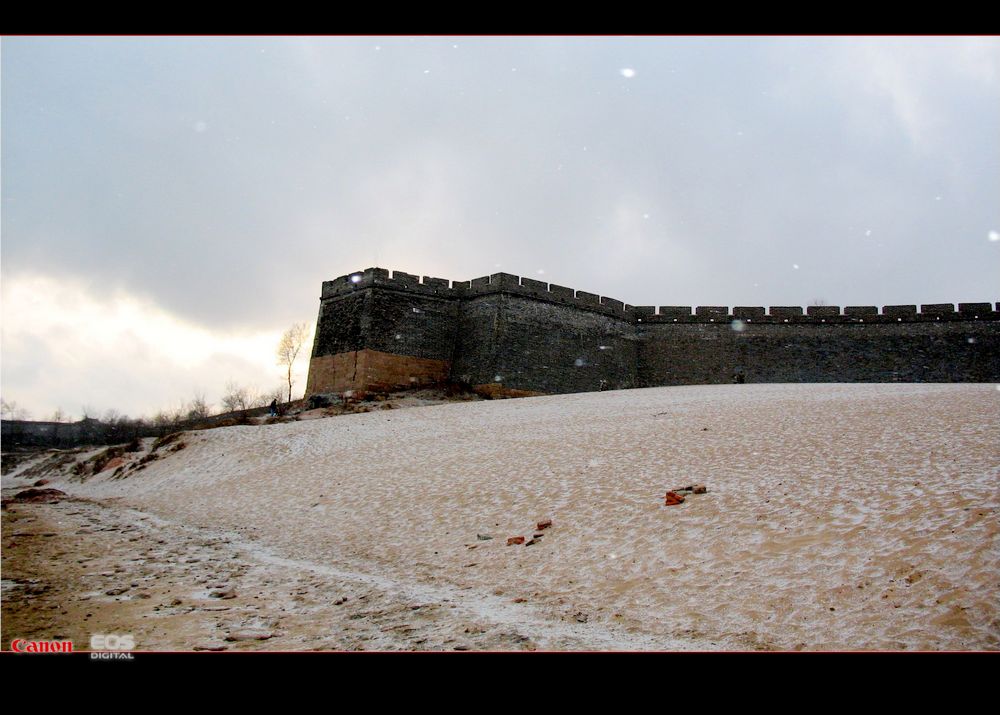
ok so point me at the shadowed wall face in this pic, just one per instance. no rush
(961, 351)
(342, 325)
(526, 344)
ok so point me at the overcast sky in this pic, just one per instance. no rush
(170, 206)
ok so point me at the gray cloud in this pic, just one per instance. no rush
(193, 170)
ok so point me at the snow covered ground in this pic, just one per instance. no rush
(838, 516)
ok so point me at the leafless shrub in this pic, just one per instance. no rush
(238, 398)
(198, 408)
(11, 411)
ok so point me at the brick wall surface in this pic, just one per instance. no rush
(373, 370)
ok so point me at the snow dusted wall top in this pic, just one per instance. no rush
(534, 336)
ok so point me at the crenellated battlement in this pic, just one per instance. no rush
(562, 295)
(495, 283)
(820, 313)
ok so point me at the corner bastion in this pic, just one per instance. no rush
(505, 335)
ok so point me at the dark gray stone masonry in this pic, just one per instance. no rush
(529, 335)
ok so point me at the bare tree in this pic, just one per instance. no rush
(11, 411)
(198, 408)
(240, 398)
(289, 347)
(59, 416)
(167, 419)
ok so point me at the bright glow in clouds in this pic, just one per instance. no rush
(67, 346)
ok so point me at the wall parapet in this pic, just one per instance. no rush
(485, 285)
(562, 295)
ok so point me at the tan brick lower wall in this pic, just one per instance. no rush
(496, 391)
(373, 371)
(331, 373)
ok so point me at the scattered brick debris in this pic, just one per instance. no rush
(673, 499)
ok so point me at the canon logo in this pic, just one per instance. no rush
(22, 646)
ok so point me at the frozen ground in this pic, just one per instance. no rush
(838, 517)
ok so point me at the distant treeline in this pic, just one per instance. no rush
(24, 434)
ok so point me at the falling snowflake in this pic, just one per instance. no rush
(627, 72)
(578, 362)
(497, 378)
(795, 266)
(738, 325)
(994, 236)
(200, 127)
(540, 271)
(356, 278)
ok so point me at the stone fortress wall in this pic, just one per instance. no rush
(508, 336)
